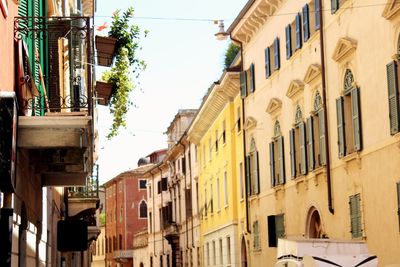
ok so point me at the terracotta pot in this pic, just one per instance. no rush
(104, 91)
(105, 47)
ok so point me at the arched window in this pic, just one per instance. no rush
(276, 157)
(252, 173)
(314, 224)
(143, 209)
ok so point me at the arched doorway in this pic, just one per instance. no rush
(141, 264)
(314, 224)
(244, 253)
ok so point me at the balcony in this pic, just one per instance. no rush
(123, 255)
(55, 125)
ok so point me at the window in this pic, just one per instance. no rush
(315, 130)
(164, 184)
(142, 184)
(335, 5)
(143, 209)
(214, 253)
(226, 189)
(276, 229)
(241, 180)
(120, 241)
(299, 41)
(159, 187)
(317, 13)
(238, 121)
(150, 190)
(252, 170)
(298, 151)
(150, 222)
(256, 236)
(205, 201)
(355, 216)
(216, 140)
(188, 199)
(247, 81)
(349, 117)
(228, 249)
(120, 186)
(276, 157)
(218, 195)
(223, 132)
(398, 201)
(393, 90)
(306, 22)
(272, 61)
(120, 214)
(208, 254)
(211, 199)
(183, 159)
(252, 82)
(288, 34)
(221, 255)
(209, 149)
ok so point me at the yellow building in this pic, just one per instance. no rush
(322, 115)
(216, 130)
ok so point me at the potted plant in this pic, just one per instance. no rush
(104, 91)
(105, 47)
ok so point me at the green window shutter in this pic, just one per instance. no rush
(322, 147)
(252, 78)
(288, 41)
(292, 153)
(306, 23)
(392, 83)
(355, 216)
(310, 144)
(281, 159)
(356, 117)
(243, 84)
(317, 11)
(267, 62)
(303, 149)
(298, 31)
(248, 176)
(340, 127)
(256, 174)
(277, 57)
(398, 201)
(279, 226)
(272, 239)
(334, 6)
(272, 163)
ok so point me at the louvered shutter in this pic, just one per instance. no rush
(298, 31)
(356, 118)
(277, 57)
(292, 153)
(392, 83)
(256, 180)
(322, 147)
(267, 62)
(340, 127)
(310, 144)
(272, 163)
(334, 6)
(317, 11)
(355, 216)
(243, 84)
(252, 78)
(306, 23)
(303, 149)
(281, 159)
(288, 41)
(398, 201)
(248, 176)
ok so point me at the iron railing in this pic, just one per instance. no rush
(90, 190)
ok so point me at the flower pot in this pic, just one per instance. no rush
(105, 47)
(104, 91)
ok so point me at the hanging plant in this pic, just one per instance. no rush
(126, 64)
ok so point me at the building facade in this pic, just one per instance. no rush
(317, 85)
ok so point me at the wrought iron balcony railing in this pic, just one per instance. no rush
(90, 190)
(55, 64)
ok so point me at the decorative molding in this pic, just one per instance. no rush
(344, 47)
(313, 71)
(274, 105)
(295, 87)
(392, 8)
(250, 123)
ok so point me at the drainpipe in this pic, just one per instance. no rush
(191, 188)
(244, 140)
(162, 212)
(328, 163)
(184, 159)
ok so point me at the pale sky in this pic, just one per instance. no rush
(183, 59)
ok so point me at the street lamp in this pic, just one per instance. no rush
(221, 34)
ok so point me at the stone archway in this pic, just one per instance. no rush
(314, 227)
(243, 253)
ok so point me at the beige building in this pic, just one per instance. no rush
(322, 110)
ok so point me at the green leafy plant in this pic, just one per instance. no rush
(230, 55)
(126, 60)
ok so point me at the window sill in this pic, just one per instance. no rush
(353, 157)
(226, 206)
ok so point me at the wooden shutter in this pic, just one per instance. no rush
(340, 127)
(252, 78)
(334, 6)
(271, 231)
(281, 159)
(322, 148)
(392, 83)
(303, 149)
(256, 179)
(267, 62)
(298, 31)
(310, 144)
(277, 61)
(306, 23)
(317, 11)
(272, 163)
(356, 118)
(292, 153)
(248, 176)
(355, 216)
(398, 201)
(288, 41)
(243, 84)
(279, 226)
